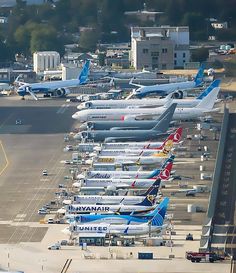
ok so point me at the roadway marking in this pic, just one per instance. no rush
(63, 108)
(6, 159)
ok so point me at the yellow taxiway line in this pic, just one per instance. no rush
(6, 159)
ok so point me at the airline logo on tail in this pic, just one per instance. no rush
(165, 174)
(159, 217)
(151, 198)
(177, 135)
(165, 149)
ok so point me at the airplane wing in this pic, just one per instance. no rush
(135, 84)
(31, 93)
(124, 128)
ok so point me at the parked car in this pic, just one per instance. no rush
(18, 122)
(42, 211)
(44, 172)
(56, 246)
(64, 242)
(50, 221)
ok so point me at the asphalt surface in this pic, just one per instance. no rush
(25, 151)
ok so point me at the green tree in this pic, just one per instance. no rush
(200, 55)
(89, 39)
(45, 38)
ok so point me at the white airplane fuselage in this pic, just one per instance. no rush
(126, 230)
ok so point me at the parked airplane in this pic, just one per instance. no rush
(154, 102)
(129, 151)
(144, 206)
(154, 225)
(119, 183)
(116, 218)
(53, 88)
(120, 125)
(165, 89)
(158, 130)
(128, 174)
(206, 105)
(115, 199)
(141, 145)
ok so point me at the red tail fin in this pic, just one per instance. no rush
(177, 135)
(165, 173)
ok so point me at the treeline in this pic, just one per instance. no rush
(50, 26)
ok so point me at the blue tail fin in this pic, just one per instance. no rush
(158, 208)
(153, 189)
(159, 217)
(214, 84)
(83, 76)
(199, 77)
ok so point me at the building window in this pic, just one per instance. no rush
(145, 50)
(155, 59)
(163, 66)
(184, 55)
(164, 50)
(183, 61)
(175, 55)
(155, 54)
(175, 62)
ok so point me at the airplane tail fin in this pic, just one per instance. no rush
(214, 84)
(147, 201)
(155, 173)
(83, 76)
(153, 189)
(165, 173)
(165, 119)
(157, 208)
(209, 101)
(178, 135)
(199, 77)
(159, 216)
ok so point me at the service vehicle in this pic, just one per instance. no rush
(203, 257)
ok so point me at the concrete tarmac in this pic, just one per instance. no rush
(29, 148)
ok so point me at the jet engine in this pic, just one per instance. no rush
(179, 94)
(111, 188)
(61, 92)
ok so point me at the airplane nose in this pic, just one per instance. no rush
(74, 116)
(78, 136)
(83, 126)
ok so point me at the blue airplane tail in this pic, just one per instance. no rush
(214, 84)
(153, 189)
(160, 213)
(147, 201)
(83, 76)
(199, 77)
